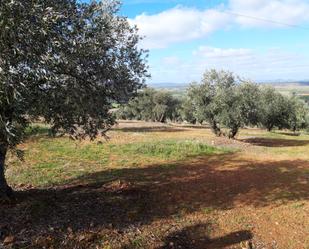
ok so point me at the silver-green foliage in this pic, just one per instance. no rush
(66, 62)
(227, 103)
(223, 103)
(283, 112)
(151, 105)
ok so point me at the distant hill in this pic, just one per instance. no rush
(287, 83)
(300, 88)
(179, 86)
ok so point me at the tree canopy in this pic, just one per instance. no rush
(66, 62)
(227, 103)
(151, 105)
(223, 101)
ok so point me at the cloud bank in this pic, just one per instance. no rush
(181, 24)
(177, 25)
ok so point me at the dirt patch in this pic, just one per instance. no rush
(148, 199)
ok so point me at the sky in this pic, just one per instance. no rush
(256, 39)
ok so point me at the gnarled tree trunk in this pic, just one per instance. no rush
(233, 132)
(270, 127)
(5, 190)
(214, 127)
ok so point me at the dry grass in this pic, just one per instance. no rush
(161, 186)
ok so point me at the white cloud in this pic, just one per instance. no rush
(292, 12)
(181, 24)
(177, 25)
(251, 63)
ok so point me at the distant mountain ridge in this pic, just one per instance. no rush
(170, 85)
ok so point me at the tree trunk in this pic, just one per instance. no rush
(270, 127)
(5, 190)
(162, 118)
(233, 132)
(215, 129)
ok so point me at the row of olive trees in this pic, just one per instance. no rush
(227, 105)
(151, 105)
(224, 102)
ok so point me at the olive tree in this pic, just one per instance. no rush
(299, 114)
(65, 62)
(166, 107)
(140, 107)
(199, 97)
(187, 111)
(275, 109)
(209, 98)
(250, 103)
(225, 103)
(151, 105)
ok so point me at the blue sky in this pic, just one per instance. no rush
(187, 37)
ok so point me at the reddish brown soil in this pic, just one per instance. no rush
(226, 201)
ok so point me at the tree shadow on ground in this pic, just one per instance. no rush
(119, 198)
(149, 129)
(275, 142)
(286, 133)
(139, 126)
(196, 126)
(196, 237)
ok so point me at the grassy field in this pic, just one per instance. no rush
(159, 186)
(301, 90)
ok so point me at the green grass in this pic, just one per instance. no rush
(51, 161)
(172, 149)
(208, 210)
